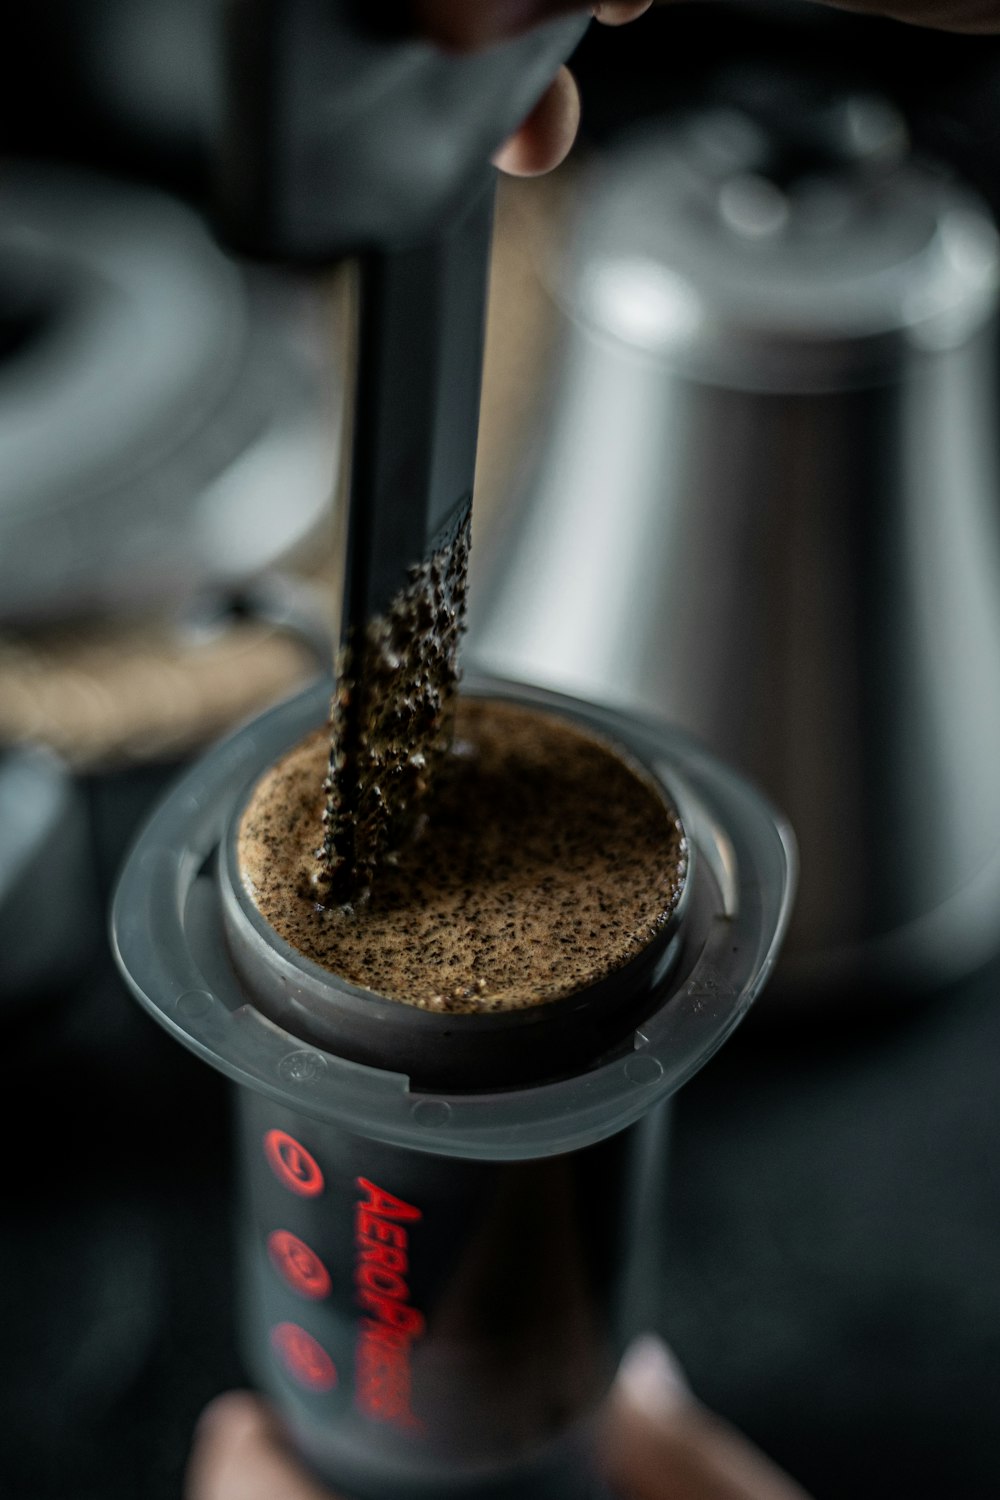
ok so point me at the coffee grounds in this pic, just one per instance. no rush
(547, 861)
(390, 721)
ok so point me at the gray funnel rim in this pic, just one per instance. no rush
(167, 936)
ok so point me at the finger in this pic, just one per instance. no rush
(660, 1444)
(456, 23)
(620, 12)
(547, 135)
(975, 17)
(239, 1454)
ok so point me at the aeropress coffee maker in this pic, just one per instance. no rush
(440, 1212)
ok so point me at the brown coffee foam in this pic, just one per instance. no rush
(547, 862)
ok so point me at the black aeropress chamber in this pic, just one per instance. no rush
(440, 1212)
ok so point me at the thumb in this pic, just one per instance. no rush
(239, 1453)
(660, 1444)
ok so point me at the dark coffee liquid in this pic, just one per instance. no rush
(547, 861)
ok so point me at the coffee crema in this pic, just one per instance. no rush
(547, 861)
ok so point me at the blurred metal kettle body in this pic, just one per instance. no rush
(767, 508)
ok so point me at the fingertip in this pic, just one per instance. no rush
(232, 1432)
(650, 1380)
(232, 1416)
(241, 1452)
(620, 12)
(658, 1439)
(457, 25)
(547, 135)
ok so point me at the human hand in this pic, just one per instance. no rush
(545, 138)
(658, 1444)
(971, 16)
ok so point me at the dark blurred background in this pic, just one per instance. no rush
(831, 1281)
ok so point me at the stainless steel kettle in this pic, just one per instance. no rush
(766, 507)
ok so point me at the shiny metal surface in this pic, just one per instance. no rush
(155, 397)
(767, 509)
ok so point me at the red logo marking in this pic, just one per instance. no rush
(301, 1267)
(304, 1359)
(383, 1377)
(291, 1163)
